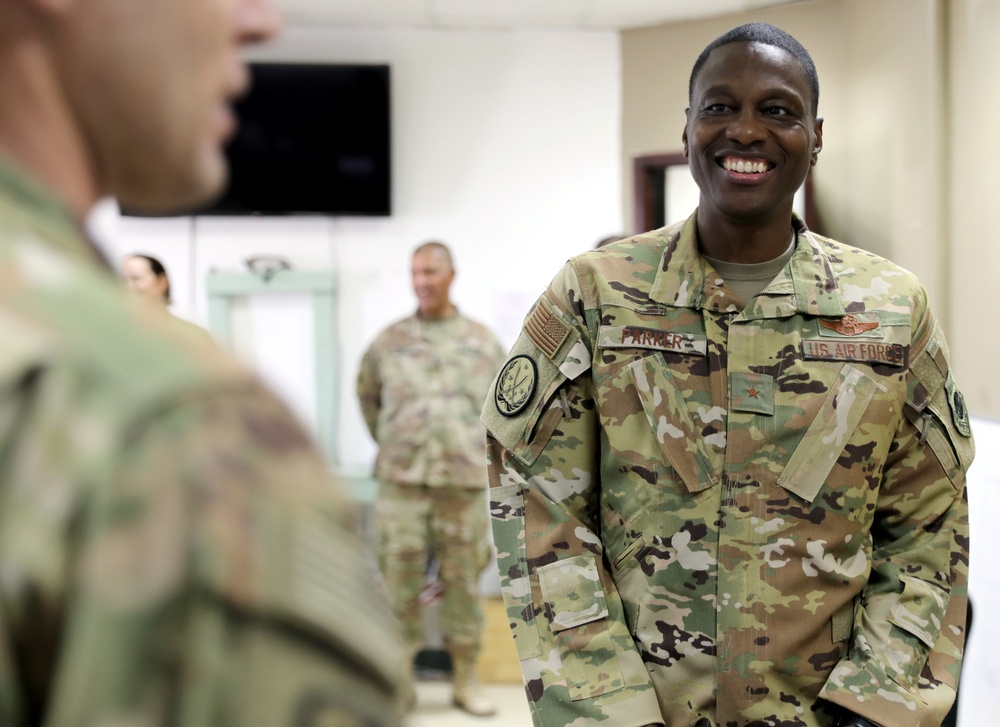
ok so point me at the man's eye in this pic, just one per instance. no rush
(776, 110)
(715, 108)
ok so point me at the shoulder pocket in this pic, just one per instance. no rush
(936, 407)
(521, 410)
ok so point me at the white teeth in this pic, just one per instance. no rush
(744, 167)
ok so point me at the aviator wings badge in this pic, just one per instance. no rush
(849, 325)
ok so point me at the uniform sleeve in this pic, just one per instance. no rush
(369, 390)
(909, 627)
(219, 583)
(578, 658)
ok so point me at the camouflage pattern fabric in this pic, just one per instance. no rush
(721, 517)
(452, 523)
(172, 549)
(420, 386)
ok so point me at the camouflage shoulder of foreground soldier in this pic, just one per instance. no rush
(170, 515)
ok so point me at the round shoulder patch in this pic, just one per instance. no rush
(959, 412)
(515, 385)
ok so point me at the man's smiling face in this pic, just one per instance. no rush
(751, 134)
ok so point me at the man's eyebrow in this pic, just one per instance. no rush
(719, 88)
(776, 91)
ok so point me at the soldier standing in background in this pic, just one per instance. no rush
(420, 387)
(172, 549)
(727, 457)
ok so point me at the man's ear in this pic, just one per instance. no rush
(818, 142)
(684, 134)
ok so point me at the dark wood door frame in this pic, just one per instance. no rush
(648, 187)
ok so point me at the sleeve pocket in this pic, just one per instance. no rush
(917, 617)
(507, 512)
(578, 611)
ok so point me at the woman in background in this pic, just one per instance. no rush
(147, 278)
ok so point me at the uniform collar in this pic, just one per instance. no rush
(428, 327)
(807, 285)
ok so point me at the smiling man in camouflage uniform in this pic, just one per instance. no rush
(172, 548)
(727, 457)
(420, 386)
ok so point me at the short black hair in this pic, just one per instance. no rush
(765, 34)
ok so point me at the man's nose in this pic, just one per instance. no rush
(746, 128)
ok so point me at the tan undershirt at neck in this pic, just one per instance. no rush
(746, 280)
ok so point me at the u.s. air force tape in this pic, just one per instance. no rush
(515, 385)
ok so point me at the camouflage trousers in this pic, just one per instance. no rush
(451, 523)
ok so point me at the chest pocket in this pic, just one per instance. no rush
(673, 427)
(813, 459)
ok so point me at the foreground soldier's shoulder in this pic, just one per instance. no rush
(278, 537)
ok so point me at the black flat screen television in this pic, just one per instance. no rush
(312, 139)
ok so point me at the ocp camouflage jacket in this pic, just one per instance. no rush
(419, 387)
(711, 516)
(173, 548)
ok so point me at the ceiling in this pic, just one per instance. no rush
(481, 14)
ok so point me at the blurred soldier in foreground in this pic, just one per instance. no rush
(420, 387)
(172, 551)
(728, 456)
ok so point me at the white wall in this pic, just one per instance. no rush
(981, 669)
(505, 145)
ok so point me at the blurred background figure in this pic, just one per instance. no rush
(420, 387)
(146, 277)
(173, 549)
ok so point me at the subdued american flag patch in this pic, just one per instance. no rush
(546, 329)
